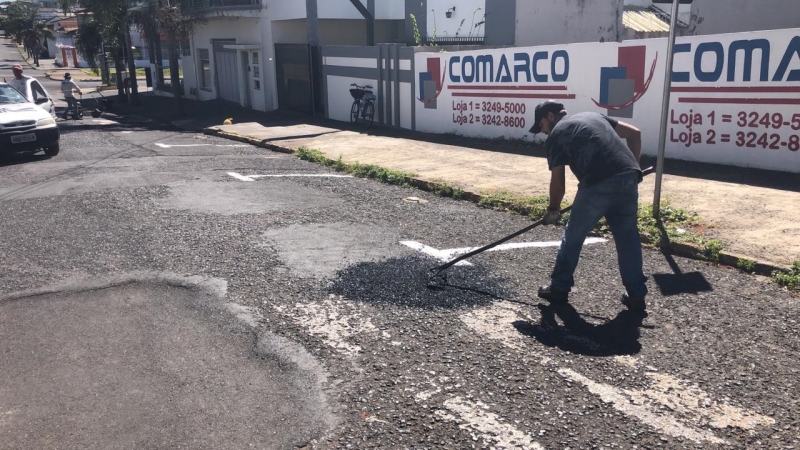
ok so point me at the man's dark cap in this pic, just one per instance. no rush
(547, 106)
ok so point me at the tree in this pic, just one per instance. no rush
(113, 23)
(25, 28)
(162, 16)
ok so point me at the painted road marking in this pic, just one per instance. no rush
(489, 426)
(286, 175)
(240, 177)
(689, 407)
(104, 122)
(159, 144)
(334, 320)
(302, 175)
(430, 251)
(447, 255)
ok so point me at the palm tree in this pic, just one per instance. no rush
(168, 17)
(112, 16)
(25, 28)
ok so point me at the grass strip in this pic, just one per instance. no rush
(372, 171)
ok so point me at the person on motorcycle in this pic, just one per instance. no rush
(68, 87)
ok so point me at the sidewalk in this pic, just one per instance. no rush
(754, 213)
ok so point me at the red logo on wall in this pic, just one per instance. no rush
(622, 86)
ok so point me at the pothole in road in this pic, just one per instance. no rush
(323, 249)
(245, 198)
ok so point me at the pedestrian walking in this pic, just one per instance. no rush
(68, 87)
(608, 173)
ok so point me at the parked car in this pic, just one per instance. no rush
(36, 93)
(24, 126)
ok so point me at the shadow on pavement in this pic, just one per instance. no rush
(618, 336)
(298, 136)
(677, 283)
(13, 159)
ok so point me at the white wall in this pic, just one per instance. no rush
(286, 9)
(567, 21)
(734, 16)
(343, 32)
(390, 10)
(290, 31)
(244, 30)
(466, 10)
(705, 98)
(339, 9)
(339, 99)
(335, 9)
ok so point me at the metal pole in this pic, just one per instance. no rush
(662, 139)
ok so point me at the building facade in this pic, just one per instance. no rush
(267, 55)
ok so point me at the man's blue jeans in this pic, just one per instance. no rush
(616, 198)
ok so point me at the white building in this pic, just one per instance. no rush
(265, 55)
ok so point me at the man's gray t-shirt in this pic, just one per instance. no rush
(588, 144)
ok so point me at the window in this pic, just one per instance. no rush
(37, 91)
(205, 68)
(186, 49)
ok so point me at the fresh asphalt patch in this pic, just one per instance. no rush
(404, 282)
(482, 363)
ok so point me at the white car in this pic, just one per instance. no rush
(36, 93)
(24, 126)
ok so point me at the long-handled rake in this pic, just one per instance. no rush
(438, 275)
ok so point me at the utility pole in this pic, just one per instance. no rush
(662, 138)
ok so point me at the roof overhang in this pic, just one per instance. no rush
(242, 46)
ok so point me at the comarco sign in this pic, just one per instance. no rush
(736, 97)
(539, 67)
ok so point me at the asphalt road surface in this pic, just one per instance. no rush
(167, 289)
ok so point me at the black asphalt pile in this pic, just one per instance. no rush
(405, 282)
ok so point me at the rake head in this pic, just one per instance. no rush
(437, 279)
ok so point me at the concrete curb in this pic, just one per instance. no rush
(686, 250)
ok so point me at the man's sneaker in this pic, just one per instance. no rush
(552, 295)
(633, 303)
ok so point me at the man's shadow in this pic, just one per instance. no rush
(619, 336)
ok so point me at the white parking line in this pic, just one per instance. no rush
(240, 177)
(302, 175)
(441, 255)
(286, 175)
(159, 144)
(446, 255)
(488, 425)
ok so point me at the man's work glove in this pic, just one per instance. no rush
(551, 216)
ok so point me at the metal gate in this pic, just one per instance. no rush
(293, 73)
(226, 75)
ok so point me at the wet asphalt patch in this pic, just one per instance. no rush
(405, 281)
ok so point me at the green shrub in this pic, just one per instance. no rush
(711, 250)
(746, 265)
(790, 278)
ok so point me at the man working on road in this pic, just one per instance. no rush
(67, 87)
(608, 173)
(18, 82)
